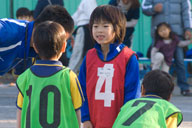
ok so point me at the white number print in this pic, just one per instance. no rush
(105, 74)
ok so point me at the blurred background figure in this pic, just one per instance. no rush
(24, 14)
(177, 13)
(83, 39)
(41, 4)
(131, 10)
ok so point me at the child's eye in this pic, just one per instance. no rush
(95, 26)
(106, 26)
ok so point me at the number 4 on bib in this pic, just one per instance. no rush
(105, 75)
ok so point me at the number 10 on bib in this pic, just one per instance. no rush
(105, 74)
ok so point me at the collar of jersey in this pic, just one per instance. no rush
(46, 68)
(152, 96)
(114, 49)
(48, 63)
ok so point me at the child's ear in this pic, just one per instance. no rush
(64, 47)
(35, 48)
(142, 90)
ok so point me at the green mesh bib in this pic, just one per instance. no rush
(146, 113)
(47, 101)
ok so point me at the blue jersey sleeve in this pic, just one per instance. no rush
(82, 79)
(11, 32)
(132, 83)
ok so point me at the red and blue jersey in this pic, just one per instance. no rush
(107, 85)
(13, 45)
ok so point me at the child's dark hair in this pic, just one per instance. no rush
(48, 39)
(57, 14)
(22, 12)
(31, 13)
(157, 37)
(112, 15)
(159, 83)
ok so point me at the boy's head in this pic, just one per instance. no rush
(23, 13)
(159, 83)
(57, 14)
(110, 14)
(31, 18)
(49, 40)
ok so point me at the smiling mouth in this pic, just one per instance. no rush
(100, 37)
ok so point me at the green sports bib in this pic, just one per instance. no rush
(146, 113)
(47, 101)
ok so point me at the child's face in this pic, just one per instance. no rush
(24, 18)
(103, 32)
(164, 32)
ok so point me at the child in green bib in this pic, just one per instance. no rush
(50, 95)
(153, 109)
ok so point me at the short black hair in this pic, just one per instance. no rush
(112, 15)
(48, 39)
(159, 83)
(57, 14)
(22, 12)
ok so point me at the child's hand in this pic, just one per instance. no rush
(87, 124)
(158, 7)
(188, 35)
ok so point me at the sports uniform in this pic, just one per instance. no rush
(107, 85)
(14, 46)
(148, 112)
(49, 95)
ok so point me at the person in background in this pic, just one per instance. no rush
(153, 109)
(177, 13)
(109, 74)
(41, 4)
(165, 45)
(131, 10)
(23, 14)
(83, 40)
(15, 36)
(49, 93)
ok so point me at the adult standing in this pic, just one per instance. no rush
(41, 4)
(83, 39)
(131, 10)
(176, 13)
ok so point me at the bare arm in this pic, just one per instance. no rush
(78, 113)
(18, 118)
(131, 23)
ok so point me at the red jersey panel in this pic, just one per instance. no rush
(105, 86)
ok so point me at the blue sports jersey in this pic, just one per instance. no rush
(12, 43)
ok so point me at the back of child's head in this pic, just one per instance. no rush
(158, 37)
(110, 14)
(22, 12)
(49, 38)
(159, 83)
(57, 14)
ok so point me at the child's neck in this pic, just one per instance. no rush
(167, 39)
(105, 50)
